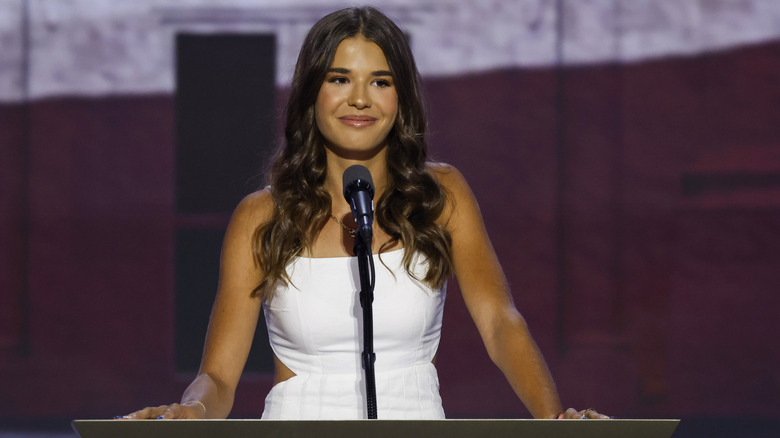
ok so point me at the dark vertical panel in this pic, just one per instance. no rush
(197, 268)
(224, 118)
(197, 271)
(225, 101)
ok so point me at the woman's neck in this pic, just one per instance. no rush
(376, 165)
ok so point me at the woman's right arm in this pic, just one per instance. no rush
(232, 323)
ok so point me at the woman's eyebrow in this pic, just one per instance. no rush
(344, 71)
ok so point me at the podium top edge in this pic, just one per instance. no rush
(496, 420)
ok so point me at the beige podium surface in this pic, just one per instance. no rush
(375, 428)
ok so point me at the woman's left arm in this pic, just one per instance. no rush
(486, 294)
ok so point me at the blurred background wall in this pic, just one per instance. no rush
(625, 153)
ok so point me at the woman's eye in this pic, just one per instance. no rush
(338, 80)
(382, 83)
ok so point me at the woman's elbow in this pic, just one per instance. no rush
(508, 334)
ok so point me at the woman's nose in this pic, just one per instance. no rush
(359, 97)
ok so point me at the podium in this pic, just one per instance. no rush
(375, 428)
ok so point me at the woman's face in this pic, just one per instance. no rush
(357, 103)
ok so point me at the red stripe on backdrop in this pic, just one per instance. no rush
(647, 297)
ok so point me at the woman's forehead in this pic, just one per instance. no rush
(359, 53)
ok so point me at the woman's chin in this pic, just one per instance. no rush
(356, 152)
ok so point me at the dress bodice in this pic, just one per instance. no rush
(315, 329)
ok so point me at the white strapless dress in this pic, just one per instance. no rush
(315, 329)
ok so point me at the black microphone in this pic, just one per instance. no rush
(359, 193)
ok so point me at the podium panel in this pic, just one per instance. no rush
(375, 428)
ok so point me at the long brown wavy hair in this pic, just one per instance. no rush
(413, 200)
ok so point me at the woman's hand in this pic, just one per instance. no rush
(573, 414)
(189, 410)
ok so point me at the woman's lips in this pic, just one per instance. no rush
(357, 121)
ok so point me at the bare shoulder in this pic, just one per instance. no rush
(449, 177)
(452, 180)
(460, 199)
(440, 170)
(238, 270)
(254, 210)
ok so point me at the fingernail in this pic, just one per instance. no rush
(118, 417)
(160, 417)
(585, 418)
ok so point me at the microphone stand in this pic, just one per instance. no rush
(366, 270)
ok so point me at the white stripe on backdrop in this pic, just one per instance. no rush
(97, 47)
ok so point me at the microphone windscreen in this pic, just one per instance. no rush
(357, 176)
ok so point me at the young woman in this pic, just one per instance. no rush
(355, 99)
